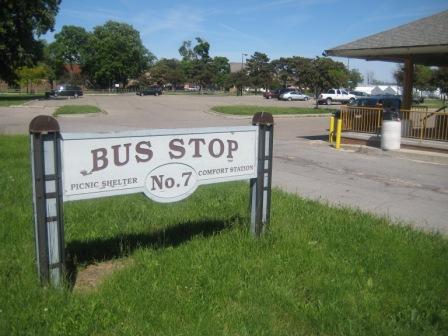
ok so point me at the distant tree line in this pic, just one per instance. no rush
(426, 78)
(114, 53)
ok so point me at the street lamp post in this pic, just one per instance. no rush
(242, 60)
(242, 66)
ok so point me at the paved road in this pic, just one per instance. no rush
(407, 188)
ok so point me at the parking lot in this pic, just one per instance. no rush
(411, 188)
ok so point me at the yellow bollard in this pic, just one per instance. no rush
(330, 135)
(338, 133)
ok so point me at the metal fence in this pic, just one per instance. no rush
(417, 123)
(424, 125)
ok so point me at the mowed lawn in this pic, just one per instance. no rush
(76, 109)
(192, 268)
(13, 99)
(274, 110)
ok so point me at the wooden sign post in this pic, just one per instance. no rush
(260, 187)
(165, 165)
(47, 197)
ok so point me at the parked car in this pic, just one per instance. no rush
(65, 90)
(359, 94)
(293, 95)
(151, 90)
(390, 101)
(336, 95)
(269, 94)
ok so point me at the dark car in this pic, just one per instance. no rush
(359, 94)
(269, 94)
(66, 90)
(276, 93)
(378, 101)
(148, 91)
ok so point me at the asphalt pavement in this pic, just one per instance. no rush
(409, 187)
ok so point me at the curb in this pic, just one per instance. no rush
(82, 115)
(282, 116)
(409, 154)
(26, 104)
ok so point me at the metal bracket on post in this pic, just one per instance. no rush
(260, 187)
(47, 199)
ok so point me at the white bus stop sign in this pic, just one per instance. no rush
(166, 165)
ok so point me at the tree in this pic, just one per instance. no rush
(196, 62)
(291, 70)
(70, 44)
(221, 69)
(167, 71)
(68, 49)
(31, 75)
(115, 54)
(186, 51)
(21, 22)
(354, 78)
(201, 50)
(259, 70)
(238, 80)
(299, 66)
(422, 79)
(323, 73)
(440, 79)
(283, 70)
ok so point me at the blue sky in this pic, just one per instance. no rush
(279, 28)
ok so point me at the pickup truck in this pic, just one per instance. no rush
(336, 95)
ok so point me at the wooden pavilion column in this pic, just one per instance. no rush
(407, 83)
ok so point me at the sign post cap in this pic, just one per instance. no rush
(44, 124)
(262, 118)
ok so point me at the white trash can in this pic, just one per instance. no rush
(391, 130)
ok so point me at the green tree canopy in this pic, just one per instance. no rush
(423, 77)
(440, 79)
(32, 75)
(221, 69)
(196, 62)
(70, 43)
(354, 78)
(167, 71)
(259, 70)
(21, 21)
(239, 80)
(114, 54)
(323, 73)
(291, 70)
(186, 51)
(283, 70)
(69, 48)
(201, 50)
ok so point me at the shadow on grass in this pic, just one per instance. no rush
(86, 252)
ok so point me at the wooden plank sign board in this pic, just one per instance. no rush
(166, 165)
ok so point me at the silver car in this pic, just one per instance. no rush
(293, 95)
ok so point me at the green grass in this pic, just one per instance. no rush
(17, 99)
(433, 103)
(76, 109)
(196, 270)
(251, 109)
